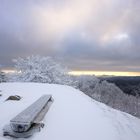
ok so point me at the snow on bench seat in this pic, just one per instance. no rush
(23, 121)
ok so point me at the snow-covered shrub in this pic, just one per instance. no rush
(41, 69)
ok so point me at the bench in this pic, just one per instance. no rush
(31, 116)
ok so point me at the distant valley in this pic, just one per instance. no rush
(129, 85)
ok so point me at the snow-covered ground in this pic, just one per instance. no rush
(72, 116)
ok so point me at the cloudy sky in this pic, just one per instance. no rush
(88, 35)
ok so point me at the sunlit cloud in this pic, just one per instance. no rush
(121, 36)
(54, 20)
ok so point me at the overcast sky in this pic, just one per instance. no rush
(84, 34)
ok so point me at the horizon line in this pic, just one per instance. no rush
(96, 73)
(104, 73)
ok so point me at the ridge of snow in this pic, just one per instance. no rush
(72, 116)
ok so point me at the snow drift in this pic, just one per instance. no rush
(72, 116)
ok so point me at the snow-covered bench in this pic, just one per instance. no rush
(30, 116)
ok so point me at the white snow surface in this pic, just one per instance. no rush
(72, 116)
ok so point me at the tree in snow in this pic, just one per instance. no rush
(108, 93)
(3, 77)
(41, 69)
(87, 83)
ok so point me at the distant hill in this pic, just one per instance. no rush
(129, 85)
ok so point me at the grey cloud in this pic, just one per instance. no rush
(85, 42)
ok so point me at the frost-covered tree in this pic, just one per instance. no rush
(41, 69)
(2, 77)
(87, 83)
(109, 94)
